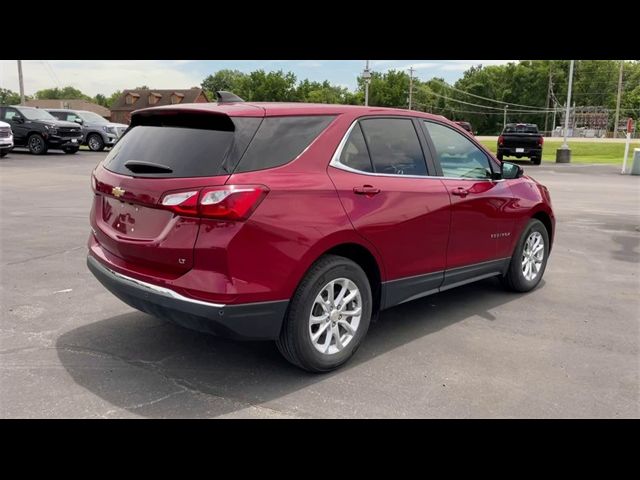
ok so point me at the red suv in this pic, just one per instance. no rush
(298, 223)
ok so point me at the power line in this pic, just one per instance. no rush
(487, 98)
(487, 106)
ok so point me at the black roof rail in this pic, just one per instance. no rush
(227, 97)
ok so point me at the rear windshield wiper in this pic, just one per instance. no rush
(147, 167)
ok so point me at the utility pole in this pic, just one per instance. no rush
(504, 123)
(21, 82)
(367, 78)
(563, 154)
(615, 123)
(546, 105)
(410, 86)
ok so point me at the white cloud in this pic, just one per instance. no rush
(98, 76)
(419, 66)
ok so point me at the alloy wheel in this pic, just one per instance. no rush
(335, 316)
(532, 256)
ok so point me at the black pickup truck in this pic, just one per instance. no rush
(521, 140)
(39, 131)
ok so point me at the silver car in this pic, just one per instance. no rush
(97, 131)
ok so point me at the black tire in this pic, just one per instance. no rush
(499, 156)
(71, 151)
(3, 153)
(95, 142)
(515, 279)
(36, 144)
(295, 342)
(536, 160)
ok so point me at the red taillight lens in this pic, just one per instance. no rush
(500, 140)
(228, 202)
(541, 141)
(183, 203)
(231, 202)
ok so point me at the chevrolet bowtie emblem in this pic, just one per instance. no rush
(117, 192)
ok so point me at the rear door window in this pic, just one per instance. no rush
(394, 146)
(355, 154)
(280, 140)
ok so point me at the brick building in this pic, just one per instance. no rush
(131, 100)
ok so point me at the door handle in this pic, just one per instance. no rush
(366, 190)
(460, 191)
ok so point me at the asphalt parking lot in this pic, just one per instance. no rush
(569, 349)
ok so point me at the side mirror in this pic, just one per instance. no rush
(511, 170)
(78, 121)
(17, 119)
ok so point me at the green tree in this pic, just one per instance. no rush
(7, 97)
(228, 80)
(259, 86)
(61, 93)
(100, 99)
(316, 92)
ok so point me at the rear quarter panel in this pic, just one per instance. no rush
(300, 219)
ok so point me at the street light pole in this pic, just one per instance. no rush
(563, 154)
(615, 124)
(367, 78)
(504, 122)
(565, 145)
(21, 82)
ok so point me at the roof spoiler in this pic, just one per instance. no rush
(227, 97)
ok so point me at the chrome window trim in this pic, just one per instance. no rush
(335, 162)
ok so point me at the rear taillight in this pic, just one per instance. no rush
(183, 203)
(500, 140)
(540, 141)
(228, 202)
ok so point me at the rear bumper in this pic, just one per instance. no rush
(528, 152)
(250, 321)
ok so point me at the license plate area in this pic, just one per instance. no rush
(519, 150)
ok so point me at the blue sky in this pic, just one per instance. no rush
(107, 76)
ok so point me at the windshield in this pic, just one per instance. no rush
(92, 117)
(36, 114)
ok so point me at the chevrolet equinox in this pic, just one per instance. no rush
(298, 222)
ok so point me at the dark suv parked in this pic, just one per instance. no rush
(97, 131)
(39, 131)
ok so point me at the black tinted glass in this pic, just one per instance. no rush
(355, 154)
(394, 146)
(521, 129)
(187, 152)
(280, 140)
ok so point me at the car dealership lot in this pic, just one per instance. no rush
(68, 348)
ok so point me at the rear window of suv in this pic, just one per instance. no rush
(199, 147)
(521, 129)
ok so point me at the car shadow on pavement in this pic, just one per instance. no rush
(156, 369)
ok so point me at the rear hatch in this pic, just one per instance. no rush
(140, 213)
